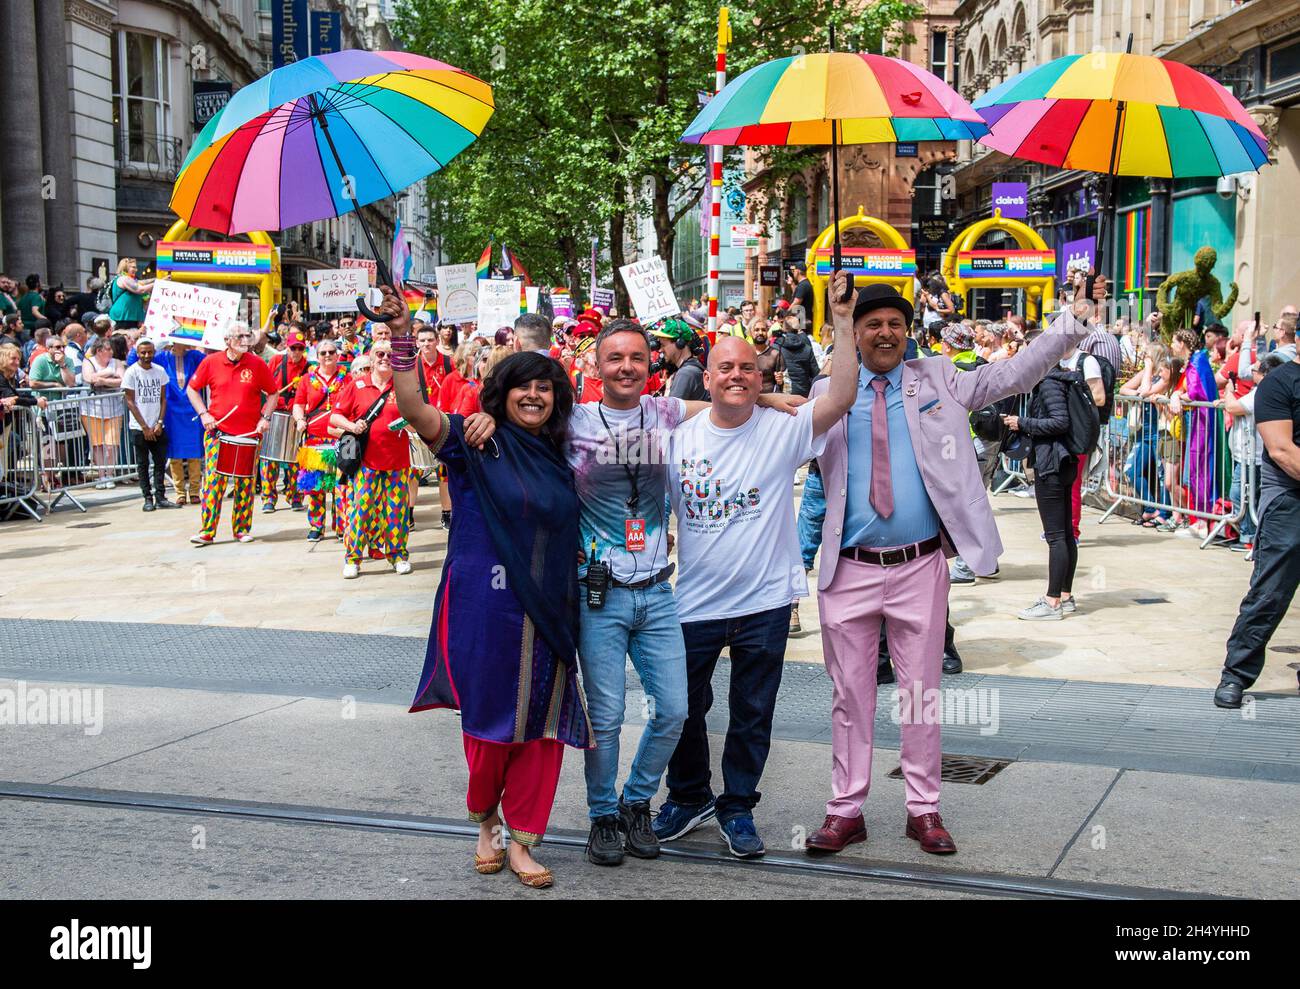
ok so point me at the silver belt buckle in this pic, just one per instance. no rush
(893, 557)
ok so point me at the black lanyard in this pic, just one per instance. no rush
(633, 476)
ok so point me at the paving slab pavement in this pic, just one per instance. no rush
(1170, 831)
(116, 564)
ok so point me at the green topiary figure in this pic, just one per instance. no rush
(1189, 288)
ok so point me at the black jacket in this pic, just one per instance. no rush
(800, 361)
(1048, 422)
(688, 382)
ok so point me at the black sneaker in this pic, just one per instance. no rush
(634, 822)
(605, 842)
(148, 505)
(313, 535)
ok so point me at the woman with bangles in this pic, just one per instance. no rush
(503, 642)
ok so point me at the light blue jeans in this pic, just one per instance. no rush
(642, 624)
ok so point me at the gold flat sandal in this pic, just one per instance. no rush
(490, 866)
(535, 880)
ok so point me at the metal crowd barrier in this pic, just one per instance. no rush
(84, 441)
(20, 469)
(1175, 464)
(1014, 469)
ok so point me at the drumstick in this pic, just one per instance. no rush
(222, 419)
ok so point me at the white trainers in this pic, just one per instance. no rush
(402, 566)
(1068, 607)
(1041, 611)
(351, 571)
(247, 537)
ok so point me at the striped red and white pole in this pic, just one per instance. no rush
(715, 177)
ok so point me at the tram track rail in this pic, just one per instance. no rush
(916, 876)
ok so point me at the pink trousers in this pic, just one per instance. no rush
(912, 600)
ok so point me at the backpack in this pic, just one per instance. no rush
(986, 423)
(1085, 423)
(104, 300)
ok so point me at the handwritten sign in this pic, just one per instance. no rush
(335, 289)
(651, 291)
(457, 292)
(498, 304)
(370, 267)
(194, 315)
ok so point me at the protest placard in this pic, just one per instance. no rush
(335, 289)
(651, 291)
(531, 294)
(457, 293)
(562, 303)
(602, 299)
(498, 304)
(194, 315)
(371, 268)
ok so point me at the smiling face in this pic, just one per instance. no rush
(733, 378)
(881, 335)
(327, 355)
(623, 363)
(530, 405)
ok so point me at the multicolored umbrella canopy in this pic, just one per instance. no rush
(1177, 122)
(264, 162)
(872, 98)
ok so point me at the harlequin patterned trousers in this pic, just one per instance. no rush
(377, 515)
(214, 489)
(272, 471)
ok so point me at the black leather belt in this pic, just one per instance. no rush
(892, 557)
(638, 585)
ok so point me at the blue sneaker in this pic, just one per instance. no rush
(742, 838)
(675, 820)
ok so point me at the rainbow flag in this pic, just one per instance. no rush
(485, 262)
(1137, 249)
(415, 301)
(511, 266)
(187, 328)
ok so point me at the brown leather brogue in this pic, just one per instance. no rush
(928, 829)
(836, 834)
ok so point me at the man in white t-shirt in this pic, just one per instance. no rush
(145, 385)
(732, 489)
(618, 449)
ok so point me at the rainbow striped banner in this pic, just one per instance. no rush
(415, 301)
(868, 262)
(229, 258)
(1003, 265)
(1137, 249)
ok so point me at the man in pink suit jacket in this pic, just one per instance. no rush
(902, 482)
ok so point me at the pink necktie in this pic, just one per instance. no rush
(882, 488)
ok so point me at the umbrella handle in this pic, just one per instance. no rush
(369, 313)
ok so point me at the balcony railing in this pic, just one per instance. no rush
(152, 158)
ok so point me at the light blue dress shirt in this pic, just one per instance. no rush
(914, 518)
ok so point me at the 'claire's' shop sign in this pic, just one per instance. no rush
(1012, 198)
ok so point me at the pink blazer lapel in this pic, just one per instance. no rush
(911, 405)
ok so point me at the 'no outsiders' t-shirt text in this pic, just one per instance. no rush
(733, 495)
(612, 457)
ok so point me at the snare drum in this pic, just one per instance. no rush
(280, 442)
(236, 455)
(421, 456)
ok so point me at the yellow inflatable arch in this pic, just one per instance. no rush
(266, 280)
(1032, 267)
(893, 264)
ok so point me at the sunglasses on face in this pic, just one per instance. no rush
(297, 347)
(380, 354)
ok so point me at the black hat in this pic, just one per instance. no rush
(881, 297)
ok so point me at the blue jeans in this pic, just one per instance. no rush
(812, 513)
(756, 644)
(1145, 473)
(1246, 527)
(642, 624)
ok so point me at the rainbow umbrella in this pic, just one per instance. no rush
(834, 98)
(1122, 114)
(325, 135)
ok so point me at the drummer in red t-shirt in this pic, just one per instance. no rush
(377, 519)
(288, 369)
(317, 393)
(241, 397)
